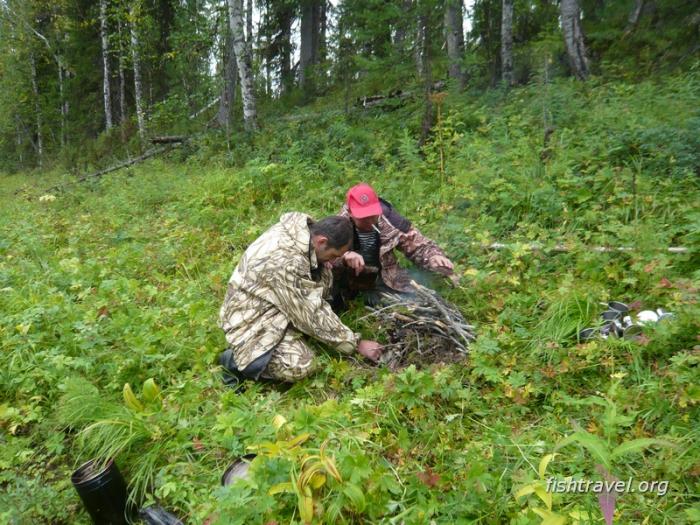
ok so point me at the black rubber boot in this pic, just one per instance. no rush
(231, 376)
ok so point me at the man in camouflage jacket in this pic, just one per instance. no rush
(379, 229)
(276, 296)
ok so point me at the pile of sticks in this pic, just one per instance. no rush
(422, 328)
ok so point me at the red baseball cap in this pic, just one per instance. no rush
(363, 201)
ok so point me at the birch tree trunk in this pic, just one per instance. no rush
(455, 40)
(634, 16)
(106, 92)
(138, 85)
(573, 38)
(507, 43)
(64, 104)
(427, 76)
(122, 77)
(18, 140)
(228, 90)
(37, 110)
(245, 74)
(418, 45)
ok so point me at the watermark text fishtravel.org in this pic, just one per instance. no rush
(586, 485)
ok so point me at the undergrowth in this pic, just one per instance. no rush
(120, 280)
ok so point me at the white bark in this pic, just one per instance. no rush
(228, 90)
(455, 40)
(634, 16)
(37, 110)
(507, 43)
(122, 77)
(138, 85)
(64, 103)
(573, 38)
(245, 74)
(106, 92)
(418, 45)
(18, 140)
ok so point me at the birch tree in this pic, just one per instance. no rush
(106, 92)
(229, 84)
(573, 38)
(418, 41)
(507, 42)
(37, 110)
(136, 64)
(634, 16)
(245, 74)
(122, 75)
(455, 40)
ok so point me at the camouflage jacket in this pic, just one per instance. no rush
(278, 285)
(395, 231)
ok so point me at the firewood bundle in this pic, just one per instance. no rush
(422, 328)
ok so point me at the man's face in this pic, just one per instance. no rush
(365, 224)
(326, 254)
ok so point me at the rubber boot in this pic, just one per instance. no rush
(231, 376)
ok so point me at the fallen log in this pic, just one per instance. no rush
(169, 139)
(380, 100)
(202, 110)
(124, 164)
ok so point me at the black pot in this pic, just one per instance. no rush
(103, 492)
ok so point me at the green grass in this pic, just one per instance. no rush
(120, 280)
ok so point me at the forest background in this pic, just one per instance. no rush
(569, 124)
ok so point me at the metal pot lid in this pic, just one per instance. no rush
(587, 334)
(632, 331)
(611, 315)
(620, 307)
(237, 470)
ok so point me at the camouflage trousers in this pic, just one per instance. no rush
(291, 359)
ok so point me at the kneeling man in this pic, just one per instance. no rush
(276, 297)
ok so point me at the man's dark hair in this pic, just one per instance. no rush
(338, 230)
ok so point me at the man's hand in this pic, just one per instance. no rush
(440, 262)
(370, 349)
(355, 261)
